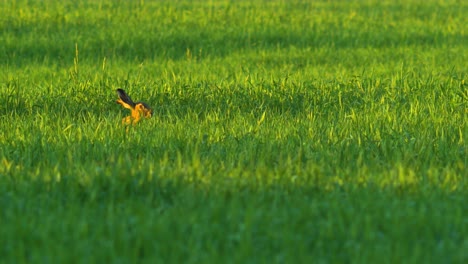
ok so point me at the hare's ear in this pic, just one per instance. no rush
(124, 98)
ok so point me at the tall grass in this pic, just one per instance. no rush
(282, 131)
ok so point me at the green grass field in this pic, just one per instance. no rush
(283, 132)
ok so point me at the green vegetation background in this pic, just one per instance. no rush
(283, 131)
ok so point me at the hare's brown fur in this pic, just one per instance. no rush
(137, 110)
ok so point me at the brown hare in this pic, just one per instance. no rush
(137, 110)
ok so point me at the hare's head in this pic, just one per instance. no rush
(144, 109)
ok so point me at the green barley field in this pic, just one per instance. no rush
(282, 131)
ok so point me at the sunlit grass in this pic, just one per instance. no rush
(337, 134)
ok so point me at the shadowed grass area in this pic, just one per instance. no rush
(283, 132)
